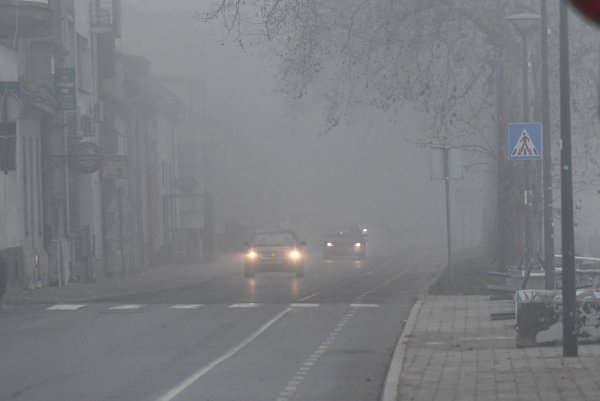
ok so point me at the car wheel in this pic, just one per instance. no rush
(248, 272)
(300, 272)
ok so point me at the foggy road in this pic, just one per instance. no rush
(328, 336)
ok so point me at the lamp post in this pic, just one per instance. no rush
(524, 24)
(566, 198)
(547, 157)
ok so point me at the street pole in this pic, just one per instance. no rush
(526, 167)
(566, 175)
(547, 158)
(121, 241)
(448, 227)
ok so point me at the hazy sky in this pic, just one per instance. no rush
(367, 170)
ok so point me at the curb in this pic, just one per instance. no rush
(392, 380)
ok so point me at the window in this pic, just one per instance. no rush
(40, 63)
(84, 64)
(9, 112)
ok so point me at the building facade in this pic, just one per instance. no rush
(88, 147)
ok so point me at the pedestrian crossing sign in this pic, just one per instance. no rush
(525, 141)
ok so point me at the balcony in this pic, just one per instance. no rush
(25, 19)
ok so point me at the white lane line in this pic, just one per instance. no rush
(126, 307)
(364, 306)
(65, 307)
(248, 305)
(343, 283)
(303, 305)
(486, 338)
(175, 391)
(396, 277)
(190, 306)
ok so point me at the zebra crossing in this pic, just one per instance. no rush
(136, 307)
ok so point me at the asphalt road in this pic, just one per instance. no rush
(328, 336)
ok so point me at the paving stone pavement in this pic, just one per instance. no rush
(457, 353)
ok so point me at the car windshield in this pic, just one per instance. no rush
(278, 239)
(341, 232)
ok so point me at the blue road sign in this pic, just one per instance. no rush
(524, 141)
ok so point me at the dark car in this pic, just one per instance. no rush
(345, 242)
(275, 251)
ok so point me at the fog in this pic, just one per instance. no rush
(278, 164)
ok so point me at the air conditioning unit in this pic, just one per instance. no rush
(99, 112)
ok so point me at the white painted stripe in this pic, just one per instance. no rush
(248, 305)
(364, 306)
(175, 391)
(65, 307)
(486, 338)
(126, 307)
(304, 305)
(190, 306)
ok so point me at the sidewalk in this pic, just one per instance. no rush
(452, 350)
(150, 280)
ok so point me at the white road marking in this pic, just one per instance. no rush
(293, 384)
(486, 338)
(175, 391)
(190, 306)
(364, 306)
(248, 305)
(65, 307)
(304, 305)
(126, 307)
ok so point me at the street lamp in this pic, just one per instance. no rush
(524, 24)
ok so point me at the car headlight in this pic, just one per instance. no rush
(252, 254)
(329, 244)
(357, 245)
(295, 255)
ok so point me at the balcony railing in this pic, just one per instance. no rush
(24, 19)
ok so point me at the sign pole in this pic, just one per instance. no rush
(566, 175)
(448, 230)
